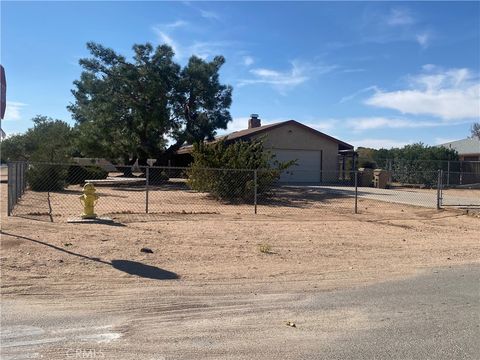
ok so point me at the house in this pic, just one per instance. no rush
(317, 154)
(468, 149)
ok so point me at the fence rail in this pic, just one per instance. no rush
(53, 191)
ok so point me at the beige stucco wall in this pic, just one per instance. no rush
(295, 137)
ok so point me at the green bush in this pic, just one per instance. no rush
(366, 164)
(46, 177)
(78, 174)
(226, 170)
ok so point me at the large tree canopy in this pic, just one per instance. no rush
(149, 107)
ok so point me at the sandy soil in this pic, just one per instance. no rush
(205, 268)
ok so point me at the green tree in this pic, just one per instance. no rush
(13, 148)
(48, 141)
(476, 130)
(219, 169)
(133, 110)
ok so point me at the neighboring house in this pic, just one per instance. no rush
(317, 154)
(467, 149)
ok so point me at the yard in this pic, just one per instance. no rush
(217, 281)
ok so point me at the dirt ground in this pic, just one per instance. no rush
(216, 259)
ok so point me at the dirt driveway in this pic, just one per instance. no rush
(207, 290)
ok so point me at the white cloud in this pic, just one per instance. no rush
(209, 15)
(202, 49)
(176, 24)
(380, 143)
(400, 17)
(165, 38)
(279, 79)
(369, 123)
(356, 93)
(13, 110)
(423, 39)
(282, 81)
(451, 95)
(322, 125)
(248, 60)
(205, 49)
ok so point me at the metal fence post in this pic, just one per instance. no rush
(24, 178)
(21, 179)
(17, 180)
(255, 190)
(356, 191)
(147, 176)
(9, 188)
(439, 189)
(448, 173)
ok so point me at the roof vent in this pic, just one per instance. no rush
(254, 121)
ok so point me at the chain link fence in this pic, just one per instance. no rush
(456, 172)
(53, 191)
(17, 183)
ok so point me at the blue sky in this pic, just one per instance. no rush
(370, 73)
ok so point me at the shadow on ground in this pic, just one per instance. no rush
(127, 266)
(142, 270)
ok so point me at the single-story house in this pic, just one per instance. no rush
(467, 149)
(317, 154)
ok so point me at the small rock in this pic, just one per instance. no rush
(146, 250)
(60, 261)
(291, 324)
(449, 258)
(67, 244)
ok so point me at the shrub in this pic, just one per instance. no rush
(367, 164)
(265, 249)
(46, 177)
(78, 174)
(221, 169)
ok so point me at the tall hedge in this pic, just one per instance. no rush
(46, 177)
(411, 164)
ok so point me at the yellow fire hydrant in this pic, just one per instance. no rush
(88, 200)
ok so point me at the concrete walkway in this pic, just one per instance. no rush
(416, 198)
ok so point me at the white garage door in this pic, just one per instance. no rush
(308, 165)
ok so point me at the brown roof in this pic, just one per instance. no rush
(247, 133)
